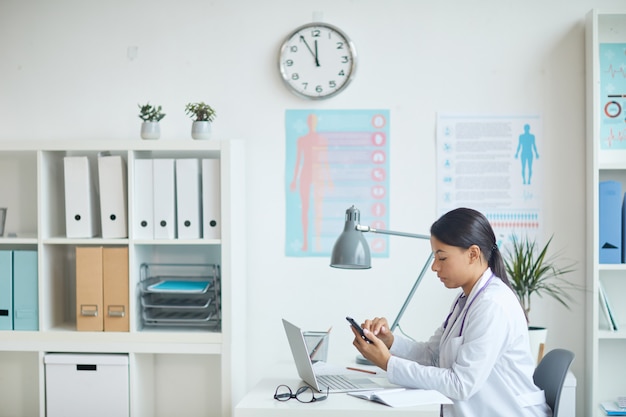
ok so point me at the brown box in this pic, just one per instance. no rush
(89, 315)
(102, 289)
(115, 285)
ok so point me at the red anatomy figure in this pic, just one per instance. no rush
(313, 171)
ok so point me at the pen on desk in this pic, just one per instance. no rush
(361, 370)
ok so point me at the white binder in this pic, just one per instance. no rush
(113, 200)
(81, 217)
(211, 203)
(188, 198)
(143, 201)
(164, 198)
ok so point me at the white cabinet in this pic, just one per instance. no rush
(86, 384)
(606, 161)
(172, 371)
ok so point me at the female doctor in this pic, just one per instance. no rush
(480, 356)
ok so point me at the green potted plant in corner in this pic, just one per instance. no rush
(203, 115)
(151, 116)
(533, 272)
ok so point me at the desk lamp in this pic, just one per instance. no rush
(351, 251)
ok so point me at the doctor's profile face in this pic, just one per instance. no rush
(451, 263)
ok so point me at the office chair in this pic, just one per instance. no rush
(550, 376)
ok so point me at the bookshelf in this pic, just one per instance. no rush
(606, 161)
(182, 372)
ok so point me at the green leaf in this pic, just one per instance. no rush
(532, 272)
(150, 113)
(200, 111)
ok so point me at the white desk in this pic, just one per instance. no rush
(260, 402)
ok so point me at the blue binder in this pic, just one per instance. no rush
(624, 230)
(25, 295)
(610, 211)
(6, 290)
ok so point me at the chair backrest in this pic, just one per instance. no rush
(550, 375)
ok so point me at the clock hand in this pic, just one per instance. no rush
(310, 50)
(317, 62)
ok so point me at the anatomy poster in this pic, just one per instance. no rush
(613, 95)
(492, 164)
(335, 159)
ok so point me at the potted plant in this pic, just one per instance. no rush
(203, 116)
(533, 272)
(151, 116)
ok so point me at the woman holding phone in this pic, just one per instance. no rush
(480, 355)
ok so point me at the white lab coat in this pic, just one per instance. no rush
(487, 370)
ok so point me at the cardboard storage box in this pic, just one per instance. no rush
(94, 385)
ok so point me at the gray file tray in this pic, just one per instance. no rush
(153, 275)
(180, 295)
(176, 317)
(180, 301)
(192, 286)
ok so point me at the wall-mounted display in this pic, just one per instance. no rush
(335, 159)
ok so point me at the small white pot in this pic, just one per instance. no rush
(150, 130)
(201, 130)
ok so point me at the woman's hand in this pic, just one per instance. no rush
(380, 327)
(377, 351)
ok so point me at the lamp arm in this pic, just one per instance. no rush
(396, 322)
(417, 282)
(363, 228)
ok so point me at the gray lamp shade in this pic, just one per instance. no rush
(351, 250)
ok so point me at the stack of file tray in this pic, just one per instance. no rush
(180, 295)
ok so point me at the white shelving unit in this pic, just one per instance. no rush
(182, 372)
(605, 362)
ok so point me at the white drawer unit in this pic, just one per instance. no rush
(80, 385)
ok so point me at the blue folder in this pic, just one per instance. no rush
(612, 409)
(610, 213)
(182, 286)
(25, 294)
(624, 230)
(6, 290)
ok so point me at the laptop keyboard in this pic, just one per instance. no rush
(336, 382)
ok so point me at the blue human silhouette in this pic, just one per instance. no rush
(527, 145)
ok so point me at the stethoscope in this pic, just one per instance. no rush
(445, 324)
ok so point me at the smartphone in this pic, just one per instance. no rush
(358, 328)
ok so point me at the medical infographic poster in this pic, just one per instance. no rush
(335, 159)
(613, 95)
(492, 164)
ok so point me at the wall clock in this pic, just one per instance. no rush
(317, 61)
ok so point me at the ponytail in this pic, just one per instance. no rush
(496, 263)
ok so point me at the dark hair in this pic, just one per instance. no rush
(464, 227)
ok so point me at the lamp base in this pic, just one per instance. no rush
(360, 359)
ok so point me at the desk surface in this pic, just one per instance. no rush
(260, 402)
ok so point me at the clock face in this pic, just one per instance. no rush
(317, 61)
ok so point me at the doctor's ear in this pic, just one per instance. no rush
(474, 253)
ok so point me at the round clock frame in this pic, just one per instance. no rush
(317, 61)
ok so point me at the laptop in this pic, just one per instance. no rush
(335, 383)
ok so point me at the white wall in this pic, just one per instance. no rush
(65, 73)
